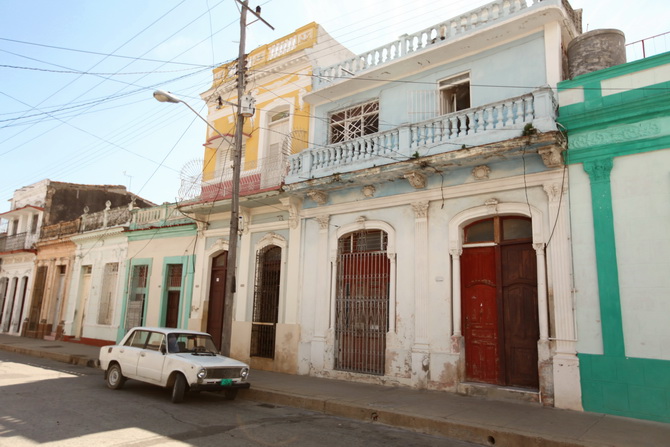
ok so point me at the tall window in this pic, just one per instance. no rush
(354, 122)
(173, 287)
(109, 280)
(33, 224)
(266, 301)
(137, 296)
(455, 93)
(362, 302)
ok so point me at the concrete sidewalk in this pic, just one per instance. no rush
(474, 419)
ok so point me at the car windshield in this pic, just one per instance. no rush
(193, 343)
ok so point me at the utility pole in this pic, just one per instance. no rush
(242, 105)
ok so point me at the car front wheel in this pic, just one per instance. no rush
(178, 389)
(115, 379)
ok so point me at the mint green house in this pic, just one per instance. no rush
(160, 266)
(618, 126)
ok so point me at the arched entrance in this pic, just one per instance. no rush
(266, 301)
(217, 292)
(362, 302)
(499, 302)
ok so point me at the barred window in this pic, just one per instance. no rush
(354, 122)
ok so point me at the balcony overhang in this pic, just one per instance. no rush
(341, 80)
(549, 146)
(27, 210)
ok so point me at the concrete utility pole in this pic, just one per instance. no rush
(242, 111)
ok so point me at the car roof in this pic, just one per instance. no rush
(167, 330)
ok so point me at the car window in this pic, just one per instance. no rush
(138, 339)
(155, 341)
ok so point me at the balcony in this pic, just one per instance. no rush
(477, 126)
(20, 241)
(263, 175)
(165, 215)
(499, 12)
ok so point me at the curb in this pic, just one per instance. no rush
(482, 435)
(71, 359)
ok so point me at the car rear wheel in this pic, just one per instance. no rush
(178, 389)
(115, 379)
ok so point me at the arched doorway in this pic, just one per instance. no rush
(217, 292)
(499, 302)
(362, 302)
(266, 301)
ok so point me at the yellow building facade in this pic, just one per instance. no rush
(266, 329)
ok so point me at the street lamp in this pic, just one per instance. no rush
(244, 107)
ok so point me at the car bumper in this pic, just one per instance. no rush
(218, 387)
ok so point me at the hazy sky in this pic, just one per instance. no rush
(77, 76)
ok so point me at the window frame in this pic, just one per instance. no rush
(452, 85)
(349, 119)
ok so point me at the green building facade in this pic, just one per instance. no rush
(617, 122)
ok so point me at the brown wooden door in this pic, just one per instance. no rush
(480, 316)
(521, 326)
(217, 291)
(172, 313)
(499, 303)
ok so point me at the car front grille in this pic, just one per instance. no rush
(223, 373)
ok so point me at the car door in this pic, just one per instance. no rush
(151, 359)
(129, 353)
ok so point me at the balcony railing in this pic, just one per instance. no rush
(60, 229)
(412, 43)
(20, 241)
(157, 216)
(476, 126)
(648, 47)
(268, 175)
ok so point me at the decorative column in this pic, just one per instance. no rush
(567, 386)
(420, 348)
(606, 259)
(293, 287)
(322, 297)
(456, 291)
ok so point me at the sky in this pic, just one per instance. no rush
(77, 76)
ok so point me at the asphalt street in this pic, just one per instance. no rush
(44, 402)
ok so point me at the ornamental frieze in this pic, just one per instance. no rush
(616, 134)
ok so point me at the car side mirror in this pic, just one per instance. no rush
(163, 350)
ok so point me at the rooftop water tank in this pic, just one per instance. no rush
(595, 50)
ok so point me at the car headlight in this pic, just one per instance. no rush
(244, 373)
(202, 373)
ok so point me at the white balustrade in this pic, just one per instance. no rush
(474, 126)
(426, 38)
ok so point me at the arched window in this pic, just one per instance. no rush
(266, 301)
(362, 301)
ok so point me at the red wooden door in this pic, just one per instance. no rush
(519, 295)
(479, 294)
(217, 291)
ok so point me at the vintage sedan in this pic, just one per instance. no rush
(173, 358)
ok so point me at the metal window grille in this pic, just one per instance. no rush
(109, 280)
(266, 301)
(361, 303)
(354, 122)
(174, 276)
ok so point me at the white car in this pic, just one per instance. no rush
(177, 358)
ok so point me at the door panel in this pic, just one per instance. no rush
(519, 290)
(172, 313)
(480, 316)
(217, 291)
